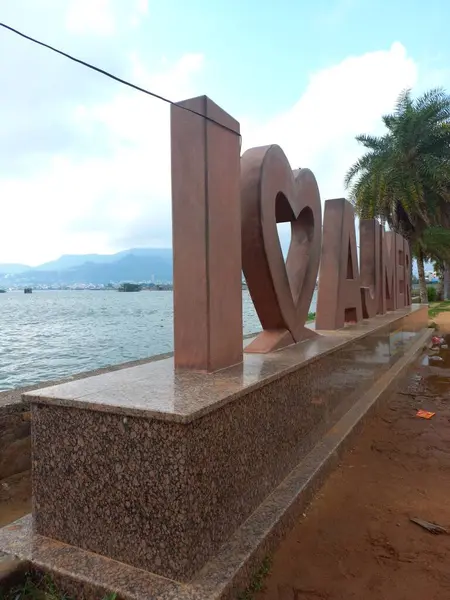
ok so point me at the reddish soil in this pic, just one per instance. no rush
(356, 541)
(15, 497)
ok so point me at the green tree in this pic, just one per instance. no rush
(130, 287)
(404, 176)
(434, 244)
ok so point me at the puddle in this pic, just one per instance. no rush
(434, 372)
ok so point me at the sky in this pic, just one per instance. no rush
(85, 162)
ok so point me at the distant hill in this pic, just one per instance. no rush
(137, 264)
(12, 268)
(68, 261)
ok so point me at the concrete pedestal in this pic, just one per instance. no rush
(160, 470)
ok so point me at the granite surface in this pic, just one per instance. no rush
(156, 390)
(16, 400)
(15, 440)
(88, 575)
(114, 485)
(164, 496)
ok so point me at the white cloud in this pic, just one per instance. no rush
(140, 12)
(104, 17)
(91, 16)
(92, 203)
(334, 13)
(107, 200)
(340, 102)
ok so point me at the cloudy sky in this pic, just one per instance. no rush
(85, 162)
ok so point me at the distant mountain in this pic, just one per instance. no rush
(137, 264)
(12, 268)
(68, 261)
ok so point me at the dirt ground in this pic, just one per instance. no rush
(356, 540)
(15, 497)
(442, 320)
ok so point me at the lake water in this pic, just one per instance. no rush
(50, 335)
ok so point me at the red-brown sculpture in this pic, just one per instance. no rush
(206, 222)
(372, 282)
(223, 205)
(407, 251)
(271, 193)
(388, 269)
(339, 295)
(400, 278)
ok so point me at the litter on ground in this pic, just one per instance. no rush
(431, 527)
(425, 414)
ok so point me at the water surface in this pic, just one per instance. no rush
(49, 335)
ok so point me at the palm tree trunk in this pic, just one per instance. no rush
(446, 281)
(440, 286)
(422, 282)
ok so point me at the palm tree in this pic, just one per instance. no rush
(404, 177)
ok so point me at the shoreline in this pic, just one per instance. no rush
(11, 400)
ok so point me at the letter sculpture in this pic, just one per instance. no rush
(225, 212)
(206, 224)
(372, 281)
(271, 193)
(339, 297)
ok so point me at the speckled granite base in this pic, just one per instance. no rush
(157, 469)
(88, 576)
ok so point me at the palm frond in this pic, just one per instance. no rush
(404, 175)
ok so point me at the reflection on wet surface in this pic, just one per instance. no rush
(345, 362)
(433, 376)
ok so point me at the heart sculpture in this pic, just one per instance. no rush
(272, 193)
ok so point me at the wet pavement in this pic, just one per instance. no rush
(356, 540)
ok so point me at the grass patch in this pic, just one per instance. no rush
(39, 587)
(437, 307)
(258, 579)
